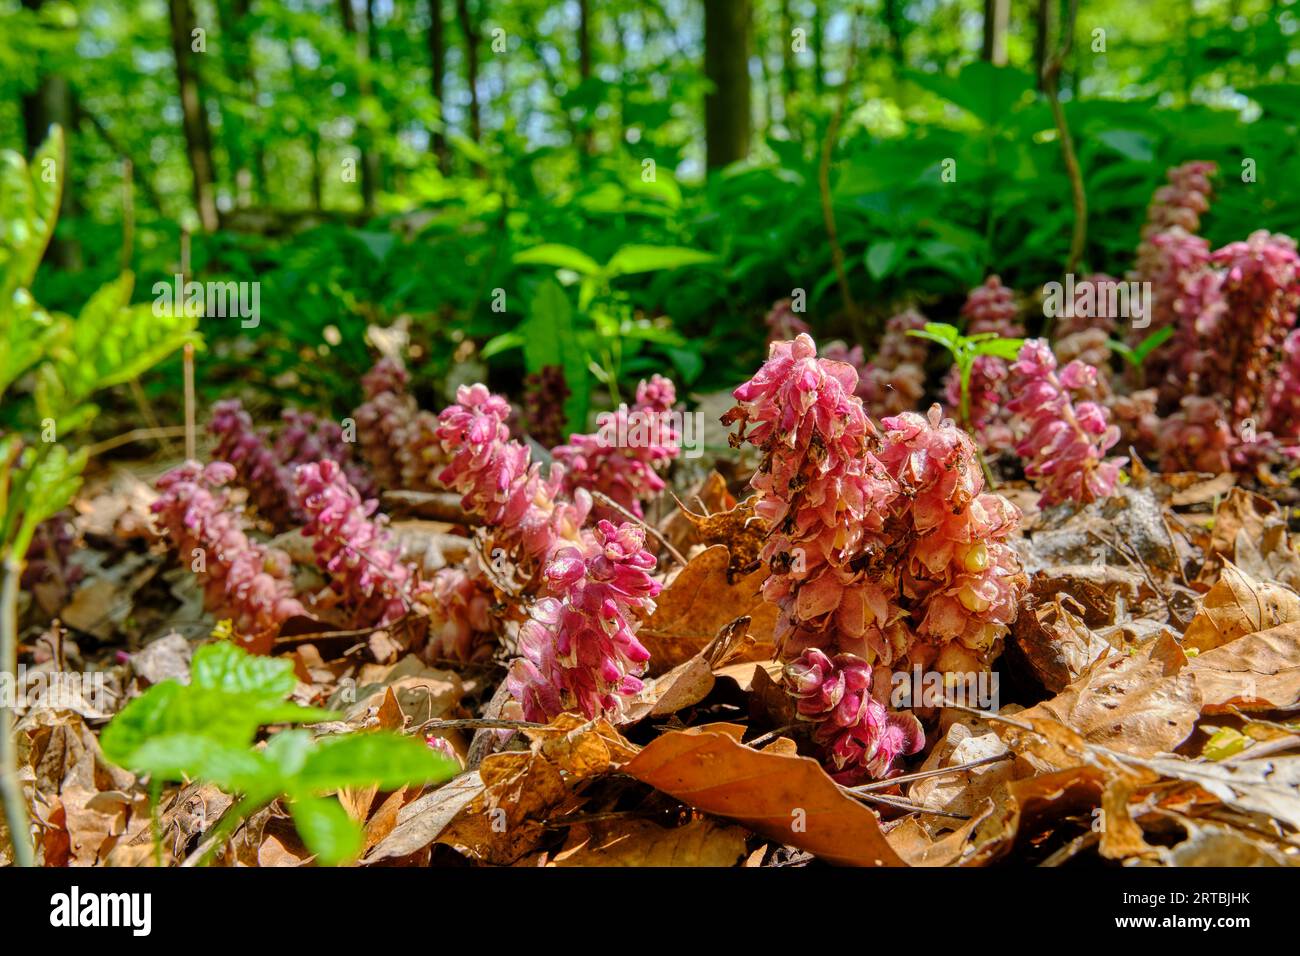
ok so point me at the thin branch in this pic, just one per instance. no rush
(925, 774)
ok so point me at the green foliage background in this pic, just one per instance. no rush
(554, 191)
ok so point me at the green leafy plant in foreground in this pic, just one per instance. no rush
(205, 730)
(68, 359)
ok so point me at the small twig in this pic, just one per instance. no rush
(989, 715)
(135, 435)
(1073, 848)
(924, 774)
(772, 735)
(609, 502)
(479, 723)
(901, 804)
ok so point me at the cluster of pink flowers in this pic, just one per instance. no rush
(500, 483)
(579, 644)
(623, 459)
(885, 550)
(353, 548)
(248, 450)
(265, 466)
(1283, 417)
(860, 736)
(398, 439)
(895, 380)
(1182, 202)
(959, 575)
(783, 322)
(460, 615)
(1063, 443)
(242, 579)
(306, 438)
(1242, 341)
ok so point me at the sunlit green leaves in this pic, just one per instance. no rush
(204, 730)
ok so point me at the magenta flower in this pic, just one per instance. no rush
(398, 440)
(1063, 444)
(579, 645)
(248, 450)
(242, 579)
(623, 459)
(460, 615)
(352, 548)
(783, 322)
(500, 483)
(860, 738)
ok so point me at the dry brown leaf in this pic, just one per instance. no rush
(633, 842)
(1260, 671)
(684, 686)
(1238, 605)
(787, 799)
(1241, 511)
(422, 821)
(1030, 805)
(698, 603)
(914, 843)
(712, 496)
(1056, 644)
(1141, 703)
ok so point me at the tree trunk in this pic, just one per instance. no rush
(437, 85)
(894, 24)
(997, 14)
(1041, 25)
(789, 80)
(469, 28)
(819, 35)
(727, 122)
(369, 162)
(194, 119)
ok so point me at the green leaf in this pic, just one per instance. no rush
(559, 256)
(326, 829)
(1152, 342)
(383, 759)
(882, 257)
(550, 339)
(1007, 349)
(225, 667)
(635, 259)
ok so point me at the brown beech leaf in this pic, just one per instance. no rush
(918, 847)
(1260, 671)
(698, 603)
(684, 686)
(1240, 511)
(1056, 643)
(422, 821)
(1238, 605)
(1031, 805)
(787, 799)
(711, 496)
(701, 842)
(1141, 703)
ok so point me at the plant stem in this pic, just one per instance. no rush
(10, 789)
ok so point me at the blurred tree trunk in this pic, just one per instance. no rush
(997, 14)
(819, 34)
(1041, 23)
(727, 121)
(789, 80)
(437, 86)
(369, 161)
(894, 24)
(469, 29)
(194, 118)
